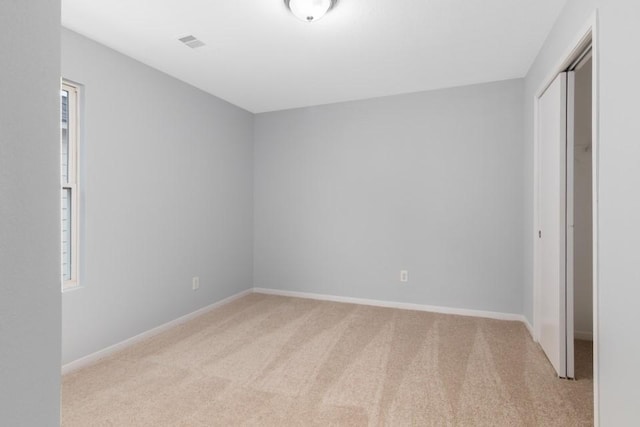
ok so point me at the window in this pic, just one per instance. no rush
(69, 184)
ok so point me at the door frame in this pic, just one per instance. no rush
(588, 35)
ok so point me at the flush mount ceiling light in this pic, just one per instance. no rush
(310, 10)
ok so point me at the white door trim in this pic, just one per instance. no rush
(589, 34)
(569, 226)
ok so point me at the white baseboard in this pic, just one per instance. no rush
(101, 354)
(583, 335)
(400, 305)
(529, 327)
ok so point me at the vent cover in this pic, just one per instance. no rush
(191, 41)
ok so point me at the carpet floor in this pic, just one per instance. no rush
(276, 361)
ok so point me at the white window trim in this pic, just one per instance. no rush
(73, 102)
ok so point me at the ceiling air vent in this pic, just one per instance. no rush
(191, 41)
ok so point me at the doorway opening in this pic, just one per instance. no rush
(582, 230)
(566, 213)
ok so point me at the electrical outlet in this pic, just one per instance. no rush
(195, 283)
(404, 276)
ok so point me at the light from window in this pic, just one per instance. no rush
(69, 184)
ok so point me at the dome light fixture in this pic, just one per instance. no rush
(309, 10)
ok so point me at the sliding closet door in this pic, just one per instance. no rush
(555, 307)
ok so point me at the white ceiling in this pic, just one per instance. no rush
(261, 58)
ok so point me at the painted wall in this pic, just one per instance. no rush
(347, 195)
(167, 190)
(619, 206)
(583, 202)
(29, 212)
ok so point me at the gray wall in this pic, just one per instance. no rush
(619, 204)
(167, 173)
(29, 212)
(347, 195)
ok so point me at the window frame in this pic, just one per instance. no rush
(72, 183)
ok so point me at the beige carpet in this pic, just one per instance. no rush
(275, 361)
